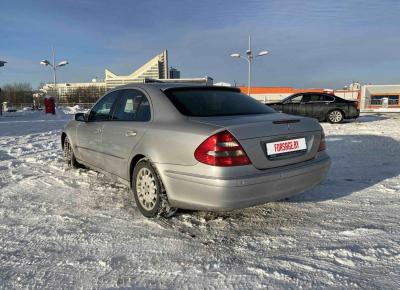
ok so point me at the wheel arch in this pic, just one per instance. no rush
(165, 209)
(132, 165)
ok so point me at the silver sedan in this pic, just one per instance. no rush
(196, 147)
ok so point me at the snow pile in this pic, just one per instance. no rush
(73, 110)
(74, 227)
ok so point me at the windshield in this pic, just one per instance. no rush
(209, 102)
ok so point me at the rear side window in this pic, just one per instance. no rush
(132, 106)
(311, 98)
(204, 102)
(326, 98)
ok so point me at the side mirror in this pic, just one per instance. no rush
(80, 117)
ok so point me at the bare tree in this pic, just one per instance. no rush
(17, 93)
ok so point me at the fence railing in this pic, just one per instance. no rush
(30, 105)
(23, 105)
(82, 105)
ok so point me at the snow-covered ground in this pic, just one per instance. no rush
(74, 229)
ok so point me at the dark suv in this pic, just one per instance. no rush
(324, 107)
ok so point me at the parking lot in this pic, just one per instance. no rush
(75, 229)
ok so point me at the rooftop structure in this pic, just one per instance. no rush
(157, 68)
(174, 73)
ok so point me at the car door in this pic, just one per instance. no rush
(292, 105)
(130, 120)
(311, 105)
(327, 103)
(89, 134)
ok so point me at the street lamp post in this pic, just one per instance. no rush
(2, 63)
(249, 58)
(345, 88)
(54, 67)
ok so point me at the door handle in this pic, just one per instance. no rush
(130, 133)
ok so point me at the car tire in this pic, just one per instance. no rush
(148, 191)
(335, 116)
(69, 156)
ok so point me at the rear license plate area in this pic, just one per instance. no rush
(286, 148)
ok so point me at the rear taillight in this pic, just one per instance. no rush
(221, 149)
(322, 143)
(355, 104)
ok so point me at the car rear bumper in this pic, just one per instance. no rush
(353, 114)
(192, 191)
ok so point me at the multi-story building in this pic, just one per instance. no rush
(174, 73)
(155, 70)
(76, 92)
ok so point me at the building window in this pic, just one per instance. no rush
(377, 100)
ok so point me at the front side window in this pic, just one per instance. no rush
(132, 106)
(102, 110)
(211, 102)
(296, 99)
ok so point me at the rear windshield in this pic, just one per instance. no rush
(213, 102)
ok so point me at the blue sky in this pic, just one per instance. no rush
(312, 43)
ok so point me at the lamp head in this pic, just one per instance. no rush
(62, 63)
(45, 62)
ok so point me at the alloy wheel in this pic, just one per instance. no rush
(335, 116)
(146, 188)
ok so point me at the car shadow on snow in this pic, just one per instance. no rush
(358, 162)
(367, 118)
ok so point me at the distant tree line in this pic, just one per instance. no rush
(17, 93)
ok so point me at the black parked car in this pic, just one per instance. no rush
(324, 107)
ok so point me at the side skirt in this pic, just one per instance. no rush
(109, 175)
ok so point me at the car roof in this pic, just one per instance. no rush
(314, 93)
(168, 86)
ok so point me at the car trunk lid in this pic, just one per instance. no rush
(254, 132)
